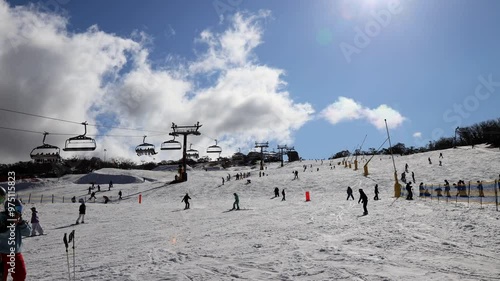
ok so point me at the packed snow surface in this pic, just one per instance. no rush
(270, 239)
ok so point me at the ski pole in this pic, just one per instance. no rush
(67, 255)
(72, 238)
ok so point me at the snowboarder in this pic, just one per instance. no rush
(35, 223)
(106, 199)
(92, 195)
(81, 212)
(349, 193)
(376, 192)
(421, 189)
(236, 204)
(283, 193)
(480, 187)
(120, 195)
(186, 201)
(11, 238)
(73, 199)
(363, 198)
(276, 192)
(410, 193)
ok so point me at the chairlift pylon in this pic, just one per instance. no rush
(214, 148)
(171, 145)
(145, 148)
(81, 142)
(45, 152)
(192, 152)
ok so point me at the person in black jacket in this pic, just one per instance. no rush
(363, 198)
(276, 192)
(376, 192)
(283, 193)
(186, 201)
(349, 193)
(82, 211)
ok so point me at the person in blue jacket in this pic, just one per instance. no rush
(12, 225)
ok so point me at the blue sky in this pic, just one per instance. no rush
(416, 63)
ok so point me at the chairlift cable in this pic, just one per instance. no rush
(79, 123)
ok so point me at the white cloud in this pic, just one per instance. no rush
(47, 70)
(417, 135)
(346, 109)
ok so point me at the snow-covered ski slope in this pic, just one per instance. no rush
(324, 239)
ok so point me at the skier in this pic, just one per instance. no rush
(480, 187)
(35, 223)
(120, 195)
(440, 155)
(186, 201)
(73, 199)
(11, 238)
(283, 193)
(447, 188)
(110, 185)
(413, 177)
(90, 189)
(403, 177)
(276, 192)
(363, 198)
(406, 167)
(81, 212)
(296, 173)
(410, 193)
(106, 199)
(430, 162)
(98, 188)
(421, 189)
(349, 193)
(93, 196)
(236, 204)
(376, 192)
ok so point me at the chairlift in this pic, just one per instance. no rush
(192, 152)
(45, 152)
(145, 148)
(171, 145)
(214, 148)
(81, 142)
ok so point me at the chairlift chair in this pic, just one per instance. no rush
(193, 153)
(145, 148)
(45, 152)
(171, 145)
(214, 148)
(81, 142)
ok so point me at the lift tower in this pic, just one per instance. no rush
(185, 131)
(261, 145)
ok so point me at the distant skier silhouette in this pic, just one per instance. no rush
(410, 193)
(349, 193)
(283, 193)
(186, 201)
(236, 204)
(276, 192)
(363, 198)
(376, 192)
